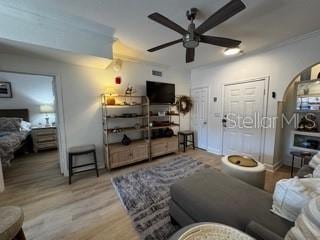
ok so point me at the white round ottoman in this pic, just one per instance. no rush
(244, 168)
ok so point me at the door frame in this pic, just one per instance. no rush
(61, 131)
(266, 81)
(208, 107)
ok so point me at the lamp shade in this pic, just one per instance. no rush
(46, 108)
(110, 91)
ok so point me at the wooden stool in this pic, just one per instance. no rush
(11, 220)
(185, 135)
(82, 150)
(301, 155)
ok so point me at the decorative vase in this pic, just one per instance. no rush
(126, 140)
(111, 100)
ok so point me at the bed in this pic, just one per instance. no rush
(11, 141)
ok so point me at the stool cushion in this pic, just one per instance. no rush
(84, 148)
(188, 132)
(11, 220)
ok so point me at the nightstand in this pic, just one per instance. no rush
(44, 138)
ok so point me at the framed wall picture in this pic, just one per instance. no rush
(5, 90)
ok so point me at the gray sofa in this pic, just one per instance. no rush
(211, 196)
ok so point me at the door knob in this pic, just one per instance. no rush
(204, 123)
(224, 121)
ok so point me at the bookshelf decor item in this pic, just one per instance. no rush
(130, 116)
(184, 104)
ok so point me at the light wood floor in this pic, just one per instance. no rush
(87, 209)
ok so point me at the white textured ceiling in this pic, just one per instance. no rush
(263, 24)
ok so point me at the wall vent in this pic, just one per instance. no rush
(156, 73)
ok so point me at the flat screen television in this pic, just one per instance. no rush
(163, 93)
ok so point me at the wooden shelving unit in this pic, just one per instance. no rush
(162, 146)
(308, 96)
(134, 118)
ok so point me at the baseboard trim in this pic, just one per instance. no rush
(214, 151)
(274, 167)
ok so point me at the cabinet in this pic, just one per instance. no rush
(120, 155)
(164, 146)
(44, 138)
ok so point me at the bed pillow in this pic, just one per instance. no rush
(10, 124)
(316, 172)
(291, 195)
(315, 160)
(25, 126)
(307, 225)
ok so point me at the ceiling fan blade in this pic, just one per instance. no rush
(164, 45)
(167, 23)
(223, 14)
(220, 41)
(190, 55)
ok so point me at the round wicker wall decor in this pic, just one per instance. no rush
(184, 104)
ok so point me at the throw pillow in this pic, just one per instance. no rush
(291, 195)
(315, 160)
(307, 225)
(316, 172)
(25, 126)
(10, 124)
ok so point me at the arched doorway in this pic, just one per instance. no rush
(301, 98)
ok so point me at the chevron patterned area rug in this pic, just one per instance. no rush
(145, 195)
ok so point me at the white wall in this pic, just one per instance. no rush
(136, 74)
(281, 64)
(49, 32)
(29, 91)
(289, 108)
(81, 87)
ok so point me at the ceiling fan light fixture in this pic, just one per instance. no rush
(232, 51)
(195, 35)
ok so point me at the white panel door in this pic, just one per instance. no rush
(243, 107)
(199, 116)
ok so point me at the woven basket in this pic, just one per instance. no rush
(214, 231)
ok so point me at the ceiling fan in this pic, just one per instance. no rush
(193, 36)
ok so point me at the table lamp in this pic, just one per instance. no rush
(47, 108)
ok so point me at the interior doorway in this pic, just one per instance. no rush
(301, 100)
(199, 116)
(244, 106)
(33, 100)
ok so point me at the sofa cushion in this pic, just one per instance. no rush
(316, 172)
(291, 195)
(211, 196)
(307, 225)
(315, 160)
(259, 232)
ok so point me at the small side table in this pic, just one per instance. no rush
(11, 221)
(186, 141)
(82, 150)
(301, 155)
(44, 138)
